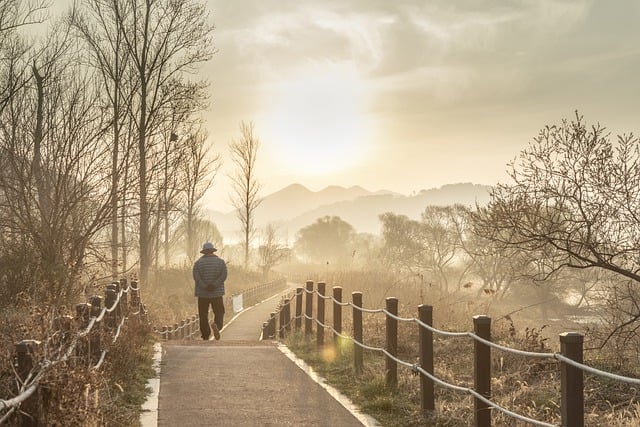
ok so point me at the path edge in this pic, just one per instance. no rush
(366, 420)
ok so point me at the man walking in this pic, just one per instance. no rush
(209, 274)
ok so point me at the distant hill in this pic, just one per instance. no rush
(295, 206)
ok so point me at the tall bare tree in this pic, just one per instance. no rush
(199, 169)
(245, 186)
(96, 24)
(166, 40)
(54, 166)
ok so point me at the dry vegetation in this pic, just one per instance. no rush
(72, 393)
(530, 387)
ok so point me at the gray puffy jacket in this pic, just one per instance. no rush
(209, 274)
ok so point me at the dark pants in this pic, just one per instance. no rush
(217, 304)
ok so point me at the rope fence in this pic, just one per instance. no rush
(570, 357)
(75, 341)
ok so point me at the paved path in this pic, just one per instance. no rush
(241, 381)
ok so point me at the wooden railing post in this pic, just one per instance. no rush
(572, 380)
(182, 329)
(135, 295)
(320, 316)
(356, 298)
(96, 305)
(287, 316)
(196, 322)
(282, 322)
(83, 316)
(482, 370)
(118, 310)
(308, 325)
(124, 302)
(272, 325)
(299, 308)
(427, 401)
(392, 341)
(337, 314)
(96, 331)
(110, 296)
(30, 408)
(163, 333)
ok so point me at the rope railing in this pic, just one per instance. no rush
(569, 358)
(83, 344)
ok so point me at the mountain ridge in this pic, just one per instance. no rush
(295, 206)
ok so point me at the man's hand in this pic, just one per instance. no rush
(210, 288)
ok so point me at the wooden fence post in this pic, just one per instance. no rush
(96, 331)
(392, 341)
(337, 314)
(482, 370)
(299, 308)
(356, 298)
(116, 286)
(83, 315)
(124, 301)
(110, 297)
(427, 402)
(272, 325)
(322, 286)
(96, 305)
(572, 380)
(308, 309)
(282, 322)
(30, 411)
(287, 316)
(135, 295)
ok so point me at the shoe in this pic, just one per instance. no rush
(216, 331)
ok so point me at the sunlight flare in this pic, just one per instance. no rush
(318, 124)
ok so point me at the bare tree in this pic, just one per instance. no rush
(272, 251)
(96, 26)
(54, 156)
(575, 199)
(199, 169)
(202, 230)
(166, 40)
(14, 51)
(245, 186)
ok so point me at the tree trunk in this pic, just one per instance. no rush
(114, 183)
(144, 203)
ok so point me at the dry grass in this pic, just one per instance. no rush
(530, 387)
(71, 392)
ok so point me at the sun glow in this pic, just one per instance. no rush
(317, 121)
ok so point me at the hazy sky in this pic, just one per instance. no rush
(406, 95)
(412, 94)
